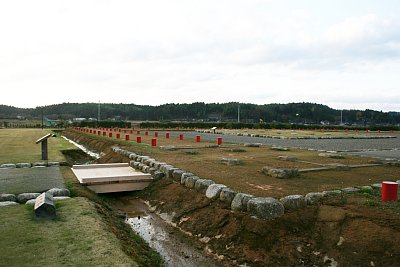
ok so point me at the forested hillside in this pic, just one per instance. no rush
(304, 113)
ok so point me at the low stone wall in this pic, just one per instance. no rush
(31, 165)
(29, 198)
(299, 137)
(261, 207)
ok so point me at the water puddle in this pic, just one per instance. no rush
(84, 149)
(169, 242)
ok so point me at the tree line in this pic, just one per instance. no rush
(296, 113)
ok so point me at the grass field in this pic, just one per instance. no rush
(77, 238)
(18, 145)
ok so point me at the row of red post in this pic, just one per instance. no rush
(103, 131)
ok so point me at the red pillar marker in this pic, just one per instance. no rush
(139, 139)
(110, 135)
(219, 141)
(118, 136)
(197, 138)
(146, 133)
(104, 133)
(156, 134)
(127, 137)
(153, 142)
(137, 132)
(91, 131)
(99, 132)
(181, 137)
(389, 191)
(131, 132)
(167, 135)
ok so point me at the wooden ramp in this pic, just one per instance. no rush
(114, 177)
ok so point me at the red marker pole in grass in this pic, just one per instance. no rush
(110, 135)
(181, 137)
(104, 133)
(219, 141)
(389, 191)
(156, 134)
(138, 139)
(127, 137)
(146, 133)
(118, 136)
(197, 138)
(167, 135)
(99, 132)
(137, 132)
(153, 142)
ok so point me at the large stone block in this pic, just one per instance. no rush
(191, 181)
(24, 197)
(185, 176)
(177, 175)
(240, 200)
(294, 202)
(283, 173)
(227, 195)
(214, 190)
(8, 203)
(267, 208)
(201, 185)
(314, 197)
(23, 165)
(59, 192)
(8, 197)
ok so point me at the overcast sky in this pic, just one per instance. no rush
(342, 53)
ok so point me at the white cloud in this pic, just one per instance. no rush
(152, 52)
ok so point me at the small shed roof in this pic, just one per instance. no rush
(43, 138)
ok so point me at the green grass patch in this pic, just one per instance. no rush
(78, 237)
(19, 145)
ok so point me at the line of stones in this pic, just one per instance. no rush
(29, 198)
(299, 137)
(29, 165)
(261, 207)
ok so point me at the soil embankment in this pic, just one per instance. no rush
(350, 231)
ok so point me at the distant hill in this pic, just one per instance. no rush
(304, 113)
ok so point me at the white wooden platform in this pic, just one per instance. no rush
(113, 177)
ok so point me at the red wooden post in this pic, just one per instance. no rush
(153, 141)
(156, 134)
(219, 141)
(197, 138)
(110, 134)
(138, 139)
(127, 137)
(181, 137)
(118, 136)
(167, 135)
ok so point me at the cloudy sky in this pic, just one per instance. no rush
(342, 53)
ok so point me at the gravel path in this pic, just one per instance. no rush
(351, 145)
(16, 181)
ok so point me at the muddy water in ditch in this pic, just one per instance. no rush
(175, 248)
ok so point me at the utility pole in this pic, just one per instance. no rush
(341, 117)
(42, 118)
(98, 112)
(238, 113)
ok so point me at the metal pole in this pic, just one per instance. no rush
(238, 113)
(42, 118)
(98, 112)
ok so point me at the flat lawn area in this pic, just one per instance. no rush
(18, 145)
(30, 180)
(78, 237)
